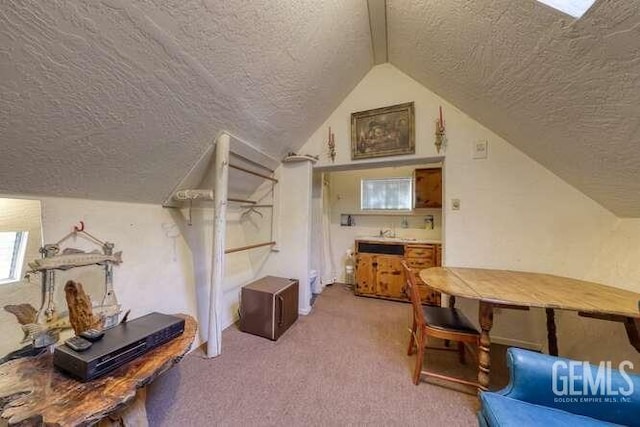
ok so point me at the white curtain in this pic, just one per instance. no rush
(321, 254)
(329, 273)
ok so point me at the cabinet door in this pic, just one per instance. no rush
(428, 188)
(438, 255)
(286, 305)
(365, 275)
(390, 277)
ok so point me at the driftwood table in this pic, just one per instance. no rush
(520, 290)
(33, 392)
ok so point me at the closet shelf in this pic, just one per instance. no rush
(250, 172)
(246, 248)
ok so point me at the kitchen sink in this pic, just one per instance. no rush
(395, 239)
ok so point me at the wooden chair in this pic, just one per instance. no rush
(446, 323)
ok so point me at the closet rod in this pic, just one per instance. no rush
(256, 206)
(245, 248)
(252, 162)
(241, 201)
(253, 173)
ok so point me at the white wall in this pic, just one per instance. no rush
(514, 213)
(617, 263)
(237, 270)
(157, 272)
(166, 263)
(344, 189)
(293, 216)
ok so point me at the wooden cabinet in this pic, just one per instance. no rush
(365, 274)
(419, 257)
(389, 276)
(428, 188)
(380, 275)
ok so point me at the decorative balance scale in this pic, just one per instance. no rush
(47, 324)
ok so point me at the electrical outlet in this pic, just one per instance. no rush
(480, 149)
(455, 204)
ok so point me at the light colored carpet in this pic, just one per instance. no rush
(344, 364)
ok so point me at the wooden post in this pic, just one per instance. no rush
(214, 340)
(552, 340)
(484, 357)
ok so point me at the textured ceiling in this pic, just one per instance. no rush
(565, 92)
(116, 99)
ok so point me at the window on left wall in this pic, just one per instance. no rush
(13, 245)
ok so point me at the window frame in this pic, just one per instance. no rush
(17, 258)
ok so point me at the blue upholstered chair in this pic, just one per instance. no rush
(552, 391)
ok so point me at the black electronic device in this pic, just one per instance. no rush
(78, 343)
(92, 335)
(120, 344)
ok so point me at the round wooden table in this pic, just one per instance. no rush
(520, 290)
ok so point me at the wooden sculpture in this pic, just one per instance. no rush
(80, 310)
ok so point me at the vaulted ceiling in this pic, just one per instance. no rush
(564, 91)
(116, 99)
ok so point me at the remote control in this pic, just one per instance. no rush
(78, 343)
(92, 335)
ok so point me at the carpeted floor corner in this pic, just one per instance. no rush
(344, 364)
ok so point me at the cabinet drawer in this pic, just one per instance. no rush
(420, 263)
(420, 252)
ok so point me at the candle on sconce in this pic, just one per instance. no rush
(441, 139)
(332, 145)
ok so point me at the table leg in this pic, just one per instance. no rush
(632, 326)
(552, 340)
(132, 415)
(452, 304)
(484, 357)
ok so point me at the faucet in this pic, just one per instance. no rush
(387, 232)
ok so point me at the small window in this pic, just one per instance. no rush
(12, 250)
(386, 194)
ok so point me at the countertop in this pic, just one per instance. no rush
(399, 240)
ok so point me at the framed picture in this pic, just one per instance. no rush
(387, 131)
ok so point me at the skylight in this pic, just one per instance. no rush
(575, 8)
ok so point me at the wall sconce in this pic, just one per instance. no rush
(332, 145)
(441, 138)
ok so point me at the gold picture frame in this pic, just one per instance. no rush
(381, 132)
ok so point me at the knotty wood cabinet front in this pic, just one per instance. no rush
(389, 276)
(428, 188)
(381, 275)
